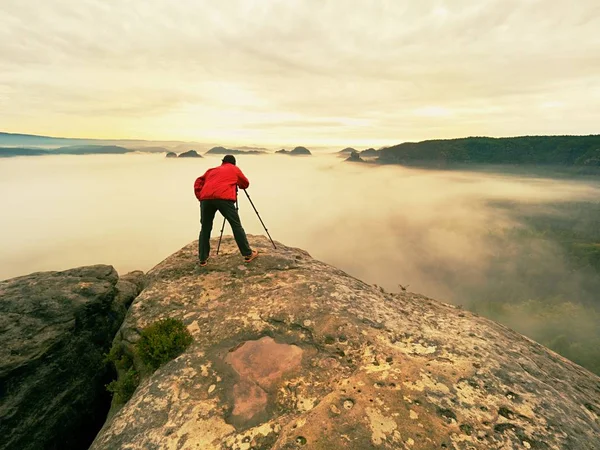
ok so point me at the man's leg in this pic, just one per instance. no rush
(227, 208)
(207, 216)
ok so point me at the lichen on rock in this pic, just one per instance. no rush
(290, 353)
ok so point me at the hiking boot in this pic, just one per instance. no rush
(251, 257)
(205, 262)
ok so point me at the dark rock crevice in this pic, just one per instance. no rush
(52, 364)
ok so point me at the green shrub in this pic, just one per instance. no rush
(159, 343)
(162, 341)
(119, 358)
(123, 388)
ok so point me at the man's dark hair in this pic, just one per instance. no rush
(229, 159)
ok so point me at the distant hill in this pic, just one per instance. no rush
(189, 154)
(347, 151)
(354, 157)
(583, 151)
(221, 151)
(21, 151)
(369, 152)
(231, 151)
(300, 151)
(89, 150)
(245, 148)
(30, 140)
(70, 150)
(15, 140)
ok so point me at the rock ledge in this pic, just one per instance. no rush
(290, 353)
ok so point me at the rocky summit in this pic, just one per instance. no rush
(291, 353)
(56, 328)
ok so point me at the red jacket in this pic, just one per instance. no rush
(220, 182)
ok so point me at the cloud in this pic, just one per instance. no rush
(372, 63)
(432, 111)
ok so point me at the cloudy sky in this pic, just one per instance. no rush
(273, 72)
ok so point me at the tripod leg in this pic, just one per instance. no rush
(221, 236)
(261, 221)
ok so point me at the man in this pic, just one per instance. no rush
(217, 191)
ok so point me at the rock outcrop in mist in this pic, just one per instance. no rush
(56, 328)
(354, 157)
(290, 352)
(297, 151)
(189, 154)
(370, 152)
(300, 151)
(233, 151)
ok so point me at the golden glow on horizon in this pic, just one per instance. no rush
(305, 72)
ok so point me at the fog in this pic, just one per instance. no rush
(460, 237)
(387, 225)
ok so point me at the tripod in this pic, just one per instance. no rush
(237, 209)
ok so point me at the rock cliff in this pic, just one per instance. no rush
(297, 151)
(291, 353)
(55, 329)
(189, 154)
(354, 157)
(300, 151)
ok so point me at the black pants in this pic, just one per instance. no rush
(208, 209)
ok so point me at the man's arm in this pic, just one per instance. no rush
(199, 184)
(242, 181)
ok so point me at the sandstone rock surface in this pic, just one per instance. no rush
(291, 353)
(55, 328)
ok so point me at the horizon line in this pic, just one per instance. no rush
(259, 145)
